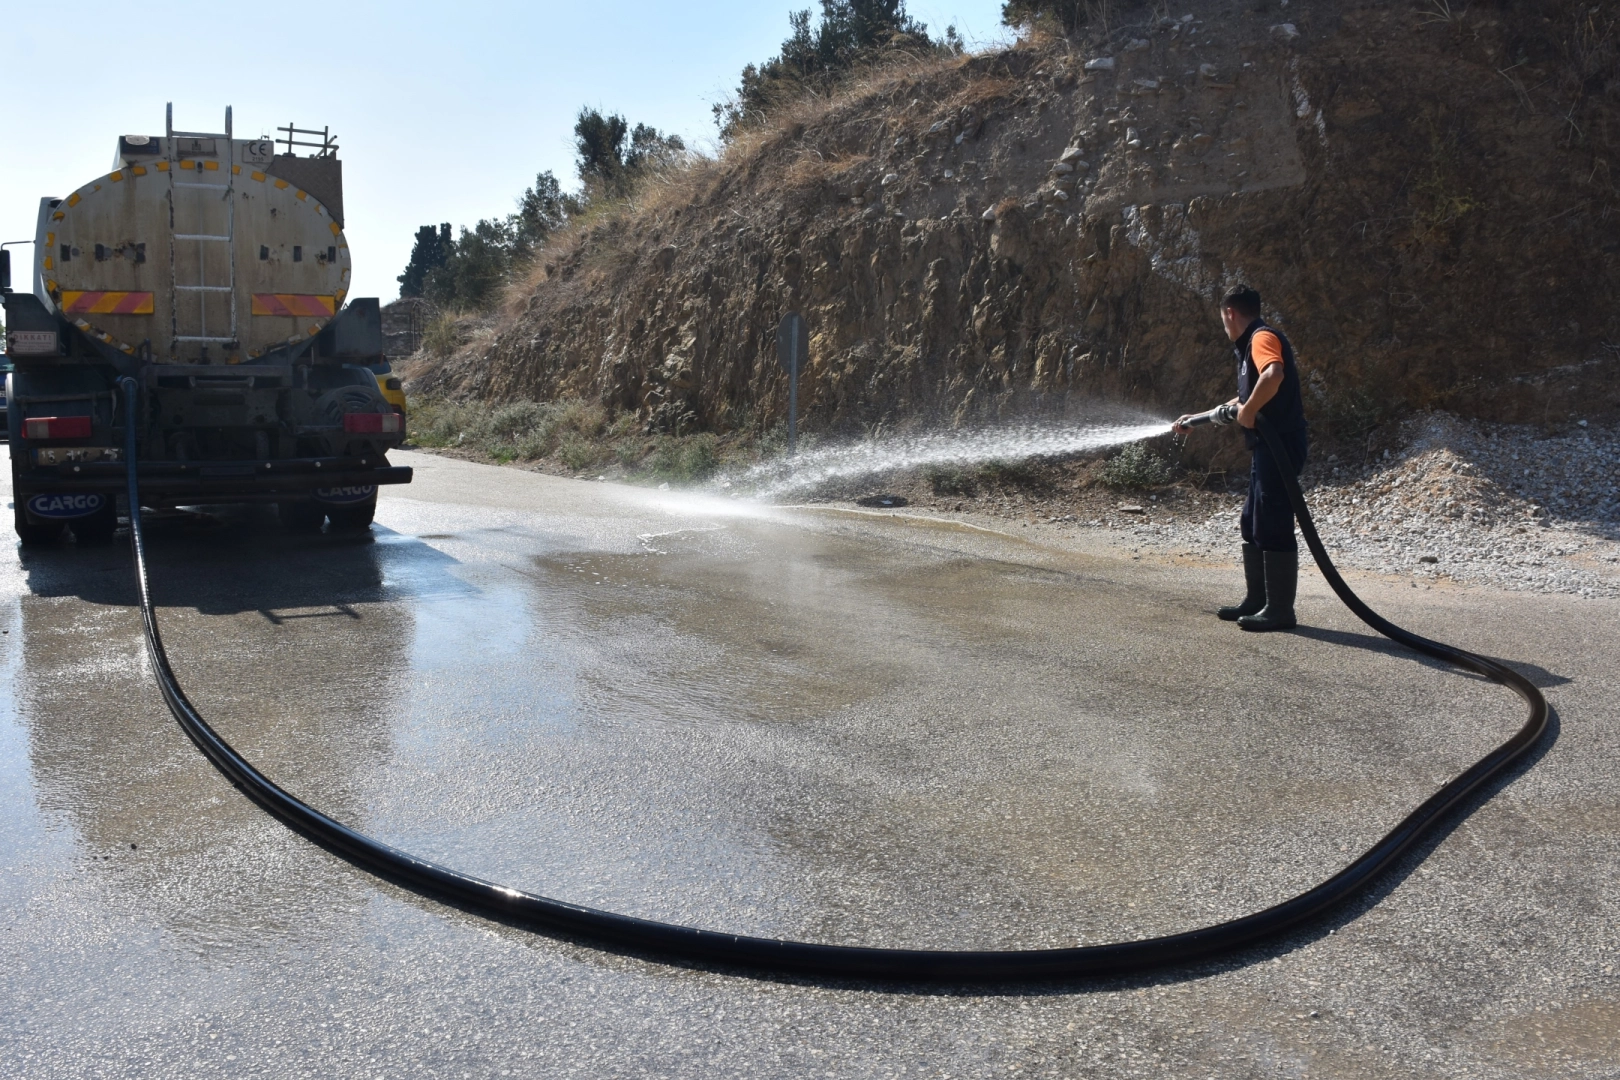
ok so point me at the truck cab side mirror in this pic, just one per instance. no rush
(5, 270)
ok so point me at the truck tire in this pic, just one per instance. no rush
(33, 536)
(305, 515)
(30, 534)
(99, 527)
(355, 517)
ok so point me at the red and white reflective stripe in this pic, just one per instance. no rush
(56, 427)
(371, 423)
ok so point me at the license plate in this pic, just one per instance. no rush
(66, 455)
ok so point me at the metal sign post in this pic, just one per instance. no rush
(792, 347)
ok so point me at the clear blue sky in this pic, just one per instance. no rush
(444, 111)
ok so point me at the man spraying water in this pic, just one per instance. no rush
(1268, 384)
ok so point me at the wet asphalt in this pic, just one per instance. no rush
(847, 727)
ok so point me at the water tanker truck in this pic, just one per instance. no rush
(214, 271)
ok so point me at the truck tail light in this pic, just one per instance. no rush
(56, 427)
(370, 423)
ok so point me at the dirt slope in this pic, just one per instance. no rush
(1427, 204)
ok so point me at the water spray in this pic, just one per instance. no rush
(813, 468)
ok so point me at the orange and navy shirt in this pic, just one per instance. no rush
(1266, 348)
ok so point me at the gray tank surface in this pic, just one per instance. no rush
(193, 248)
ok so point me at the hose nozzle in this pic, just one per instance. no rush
(1220, 416)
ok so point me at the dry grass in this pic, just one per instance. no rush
(805, 143)
(1441, 11)
(444, 335)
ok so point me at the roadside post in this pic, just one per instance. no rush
(792, 346)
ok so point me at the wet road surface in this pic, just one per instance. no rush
(852, 728)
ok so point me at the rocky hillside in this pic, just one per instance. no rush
(1423, 193)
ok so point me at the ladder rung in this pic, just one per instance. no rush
(200, 236)
(203, 288)
(220, 340)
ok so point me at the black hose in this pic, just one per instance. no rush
(767, 955)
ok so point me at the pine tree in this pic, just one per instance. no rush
(431, 251)
(543, 209)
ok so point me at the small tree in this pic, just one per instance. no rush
(469, 271)
(543, 209)
(611, 157)
(599, 148)
(815, 58)
(477, 267)
(430, 252)
(1067, 15)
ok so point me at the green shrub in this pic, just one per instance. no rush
(437, 423)
(630, 454)
(700, 458)
(1136, 467)
(1025, 472)
(578, 454)
(686, 460)
(534, 445)
(951, 480)
(582, 418)
(520, 418)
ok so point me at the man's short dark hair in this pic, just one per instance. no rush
(1243, 300)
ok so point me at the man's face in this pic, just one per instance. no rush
(1235, 324)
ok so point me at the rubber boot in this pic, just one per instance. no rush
(1254, 574)
(1282, 581)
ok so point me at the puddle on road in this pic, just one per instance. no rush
(811, 730)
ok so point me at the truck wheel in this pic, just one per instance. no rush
(301, 516)
(30, 534)
(33, 535)
(99, 527)
(353, 518)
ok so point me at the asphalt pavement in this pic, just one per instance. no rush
(864, 728)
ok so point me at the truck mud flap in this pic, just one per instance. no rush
(349, 495)
(65, 505)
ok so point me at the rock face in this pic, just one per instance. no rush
(1426, 204)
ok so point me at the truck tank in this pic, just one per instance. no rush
(198, 248)
(214, 271)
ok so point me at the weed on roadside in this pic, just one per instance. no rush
(1135, 467)
(444, 336)
(575, 436)
(951, 480)
(685, 460)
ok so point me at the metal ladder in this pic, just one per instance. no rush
(187, 218)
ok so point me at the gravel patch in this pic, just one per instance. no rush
(1512, 506)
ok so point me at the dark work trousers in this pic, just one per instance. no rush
(1268, 516)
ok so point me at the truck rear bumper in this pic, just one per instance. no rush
(173, 482)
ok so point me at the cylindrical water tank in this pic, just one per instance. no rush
(194, 250)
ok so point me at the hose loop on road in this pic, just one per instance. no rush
(770, 956)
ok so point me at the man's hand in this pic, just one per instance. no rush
(1264, 390)
(1180, 426)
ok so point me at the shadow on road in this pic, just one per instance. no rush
(1538, 675)
(240, 559)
